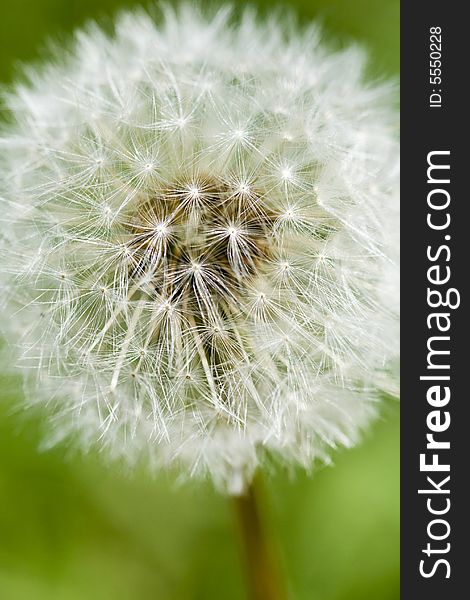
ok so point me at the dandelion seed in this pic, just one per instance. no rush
(197, 219)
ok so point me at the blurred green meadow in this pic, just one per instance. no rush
(72, 529)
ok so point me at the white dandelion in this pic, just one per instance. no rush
(198, 223)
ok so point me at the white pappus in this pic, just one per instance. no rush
(198, 227)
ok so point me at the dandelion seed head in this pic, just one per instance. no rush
(198, 224)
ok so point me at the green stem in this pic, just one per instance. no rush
(259, 554)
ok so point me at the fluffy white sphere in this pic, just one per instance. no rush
(198, 227)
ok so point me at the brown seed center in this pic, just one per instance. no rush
(200, 239)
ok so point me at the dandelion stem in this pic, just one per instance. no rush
(261, 566)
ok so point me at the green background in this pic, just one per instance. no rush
(71, 529)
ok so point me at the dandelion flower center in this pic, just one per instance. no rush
(199, 245)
